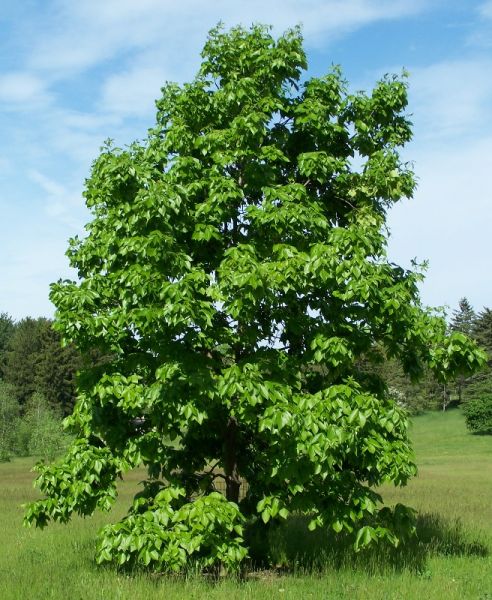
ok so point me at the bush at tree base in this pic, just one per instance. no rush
(234, 271)
(478, 414)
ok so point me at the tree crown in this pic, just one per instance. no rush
(235, 273)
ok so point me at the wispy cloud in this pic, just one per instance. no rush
(81, 35)
(22, 88)
(59, 202)
(452, 98)
(448, 220)
(91, 70)
(133, 92)
(128, 49)
(485, 9)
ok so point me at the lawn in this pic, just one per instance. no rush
(451, 559)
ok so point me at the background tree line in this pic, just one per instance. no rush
(37, 387)
(38, 373)
(428, 394)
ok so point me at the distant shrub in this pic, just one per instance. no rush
(40, 432)
(478, 414)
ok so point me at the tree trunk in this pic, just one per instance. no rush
(444, 397)
(233, 480)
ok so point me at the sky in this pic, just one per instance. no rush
(73, 74)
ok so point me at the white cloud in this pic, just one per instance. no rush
(27, 271)
(452, 98)
(449, 220)
(22, 88)
(451, 215)
(133, 93)
(485, 9)
(47, 185)
(61, 203)
(87, 33)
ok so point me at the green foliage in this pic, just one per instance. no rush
(84, 482)
(164, 532)
(463, 318)
(9, 417)
(478, 414)
(414, 396)
(482, 330)
(481, 383)
(233, 273)
(6, 331)
(463, 321)
(56, 366)
(35, 361)
(40, 432)
(21, 357)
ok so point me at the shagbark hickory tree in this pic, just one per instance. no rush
(234, 274)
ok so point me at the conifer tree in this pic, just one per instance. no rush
(6, 331)
(56, 368)
(463, 321)
(463, 318)
(22, 357)
(36, 361)
(480, 384)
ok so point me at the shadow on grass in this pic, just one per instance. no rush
(293, 548)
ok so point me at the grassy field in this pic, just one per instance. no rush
(451, 559)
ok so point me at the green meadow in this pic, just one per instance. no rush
(450, 558)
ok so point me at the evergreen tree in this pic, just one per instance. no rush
(22, 356)
(462, 321)
(56, 368)
(7, 328)
(9, 419)
(481, 383)
(37, 362)
(463, 317)
(482, 330)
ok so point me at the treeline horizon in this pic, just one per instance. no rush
(33, 360)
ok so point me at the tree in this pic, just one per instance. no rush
(482, 330)
(462, 321)
(6, 330)
(235, 270)
(463, 318)
(481, 383)
(9, 416)
(56, 368)
(21, 357)
(37, 362)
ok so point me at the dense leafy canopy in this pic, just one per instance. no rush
(234, 273)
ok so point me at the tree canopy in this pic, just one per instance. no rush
(233, 273)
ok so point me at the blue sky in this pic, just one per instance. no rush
(75, 73)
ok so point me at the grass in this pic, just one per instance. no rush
(451, 558)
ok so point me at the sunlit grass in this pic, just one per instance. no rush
(450, 559)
